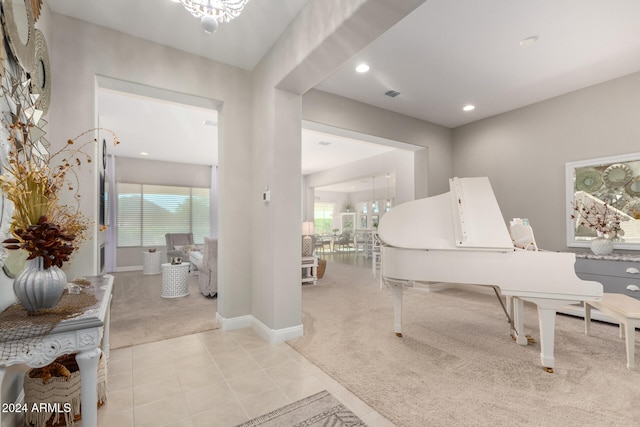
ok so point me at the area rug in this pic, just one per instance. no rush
(140, 315)
(321, 409)
(456, 364)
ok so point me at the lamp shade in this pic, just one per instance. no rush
(308, 228)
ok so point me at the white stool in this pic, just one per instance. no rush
(151, 262)
(175, 280)
(623, 309)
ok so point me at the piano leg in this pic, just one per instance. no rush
(547, 322)
(516, 310)
(397, 289)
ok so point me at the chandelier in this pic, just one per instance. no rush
(212, 12)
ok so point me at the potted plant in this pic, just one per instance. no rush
(602, 219)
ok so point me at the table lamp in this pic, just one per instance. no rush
(308, 229)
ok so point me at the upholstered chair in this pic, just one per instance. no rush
(175, 244)
(208, 273)
(345, 239)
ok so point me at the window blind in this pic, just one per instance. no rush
(147, 212)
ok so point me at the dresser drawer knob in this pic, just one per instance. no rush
(633, 288)
(633, 270)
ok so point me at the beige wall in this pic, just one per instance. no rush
(523, 152)
(80, 51)
(298, 61)
(436, 165)
(399, 162)
(259, 134)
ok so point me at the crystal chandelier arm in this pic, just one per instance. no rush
(222, 10)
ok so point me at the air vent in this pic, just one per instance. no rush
(324, 143)
(392, 93)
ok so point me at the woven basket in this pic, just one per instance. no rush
(322, 266)
(62, 387)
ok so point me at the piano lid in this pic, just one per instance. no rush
(466, 217)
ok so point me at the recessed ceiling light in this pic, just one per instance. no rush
(469, 107)
(144, 153)
(362, 68)
(528, 41)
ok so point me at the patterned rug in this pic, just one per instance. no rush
(321, 409)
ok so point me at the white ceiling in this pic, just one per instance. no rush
(379, 185)
(173, 132)
(241, 42)
(447, 53)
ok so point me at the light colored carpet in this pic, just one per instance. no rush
(456, 365)
(140, 315)
(318, 410)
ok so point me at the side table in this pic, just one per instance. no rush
(175, 280)
(151, 262)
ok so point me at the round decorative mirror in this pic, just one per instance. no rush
(19, 29)
(15, 263)
(617, 175)
(608, 185)
(41, 73)
(633, 187)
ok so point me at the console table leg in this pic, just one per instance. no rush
(105, 334)
(3, 371)
(88, 364)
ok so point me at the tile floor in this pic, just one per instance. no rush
(213, 378)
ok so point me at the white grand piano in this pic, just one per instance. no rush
(461, 237)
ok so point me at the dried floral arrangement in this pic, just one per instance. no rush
(41, 224)
(601, 218)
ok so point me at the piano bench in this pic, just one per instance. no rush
(625, 310)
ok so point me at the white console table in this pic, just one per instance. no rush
(81, 334)
(309, 269)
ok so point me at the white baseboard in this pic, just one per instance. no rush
(129, 268)
(578, 311)
(272, 336)
(233, 323)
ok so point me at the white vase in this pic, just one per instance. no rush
(38, 287)
(601, 246)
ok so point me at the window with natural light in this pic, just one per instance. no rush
(323, 217)
(147, 212)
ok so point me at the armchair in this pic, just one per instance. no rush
(178, 239)
(208, 272)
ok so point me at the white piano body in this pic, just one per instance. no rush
(461, 237)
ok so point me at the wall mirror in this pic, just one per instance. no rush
(614, 181)
(19, 29)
